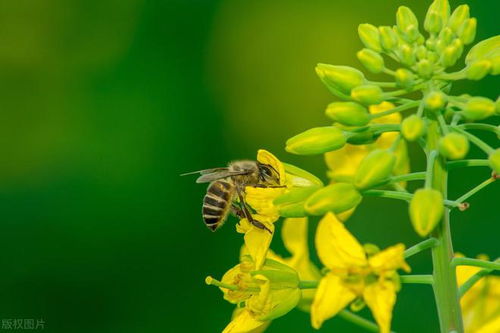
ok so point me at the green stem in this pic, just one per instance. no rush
(476, 189)
(472, 280)
(474, 139)
(481, 127)
(451, 76)
(417, 279)
(408, 177)
(442, 124)
(467, 163)
(445, 282)
(308, 284)
(430, 168)
(426, 244)
(396, 109)
(383, 84)
(358, 320)
(402, 196)
(493, 265)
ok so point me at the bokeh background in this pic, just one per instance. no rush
(103, 103)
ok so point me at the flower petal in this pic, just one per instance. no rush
(257, 242)
(389, 259)
(265, 157)
(380, 298)
(344, 162)
(331, 297)
(261, 199)
(244, 322)
(336, 246)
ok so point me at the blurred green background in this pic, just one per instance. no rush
(103, 103)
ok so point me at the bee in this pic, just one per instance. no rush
(226, 191)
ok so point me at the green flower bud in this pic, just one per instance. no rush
(497, 106)
(298, 177)
(446, 35)
(488, 49)
(433, 57)
(348, 113)
(460, 14)
(374, 168)
(478, 70)
(412, 127)
(494, 159)
(454, 146)
(431, 43)
(450, 56)
(291, 204)
(336, 198)
(426, 210)
(362, 138)
(467, 31)
(435, 100)
(372, 60)
(342, 78)
(404, 78)
(425, 68)
(407, 55)
(407, 23)
(388, 38)
(437, 16)
(316, 140)
(368, 94)
(370, 36)
(421, 52)
(478, 108)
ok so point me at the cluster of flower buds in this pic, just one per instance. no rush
(422, 65)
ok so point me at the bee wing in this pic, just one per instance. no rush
(210, 177)
(204, 172)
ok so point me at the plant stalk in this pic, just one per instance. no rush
(445, 282)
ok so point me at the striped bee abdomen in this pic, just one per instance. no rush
(216, 203)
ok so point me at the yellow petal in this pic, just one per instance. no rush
(265, 157)
(389, 259)
(261, 200)
(491, 326)
(393, 118)
(335, 245)
(344, 216)
(331, 297)
(380, 298)
(344, 162)
(257, 242)
(244, 322)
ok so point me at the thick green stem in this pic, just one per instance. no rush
(445, 282)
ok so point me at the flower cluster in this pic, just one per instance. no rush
(365, 146)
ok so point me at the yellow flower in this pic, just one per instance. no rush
(481, 303)
(266, 293)
(344, 162)
(353, 274)
(261, 200)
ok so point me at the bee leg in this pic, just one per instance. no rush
(237, 211)
(248, 215)
(267, 186)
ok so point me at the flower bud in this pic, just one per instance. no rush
(454, 146)
(460, 14)
(372, 60)
(412, 127)
(374, 168)
(450, 56)
(478, 108)
(421, 52)
(486, 50)
(467, 31)
(430, 43)
(407, 55)
(435, 100)
(494, 159)
(367, 94)
(316, 140)
(404, 78)
(497, 106)
(337, 198)
(348, 113)
(426, 210)
(407, 23)
(437, 16)
(298, 177)
(342, 78)
(362, 138)
(478, 70)
(425, 68)
(446, 35)
(388, 38)
(291, 204)
(370, 36)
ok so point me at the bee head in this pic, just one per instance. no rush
(268, 174)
